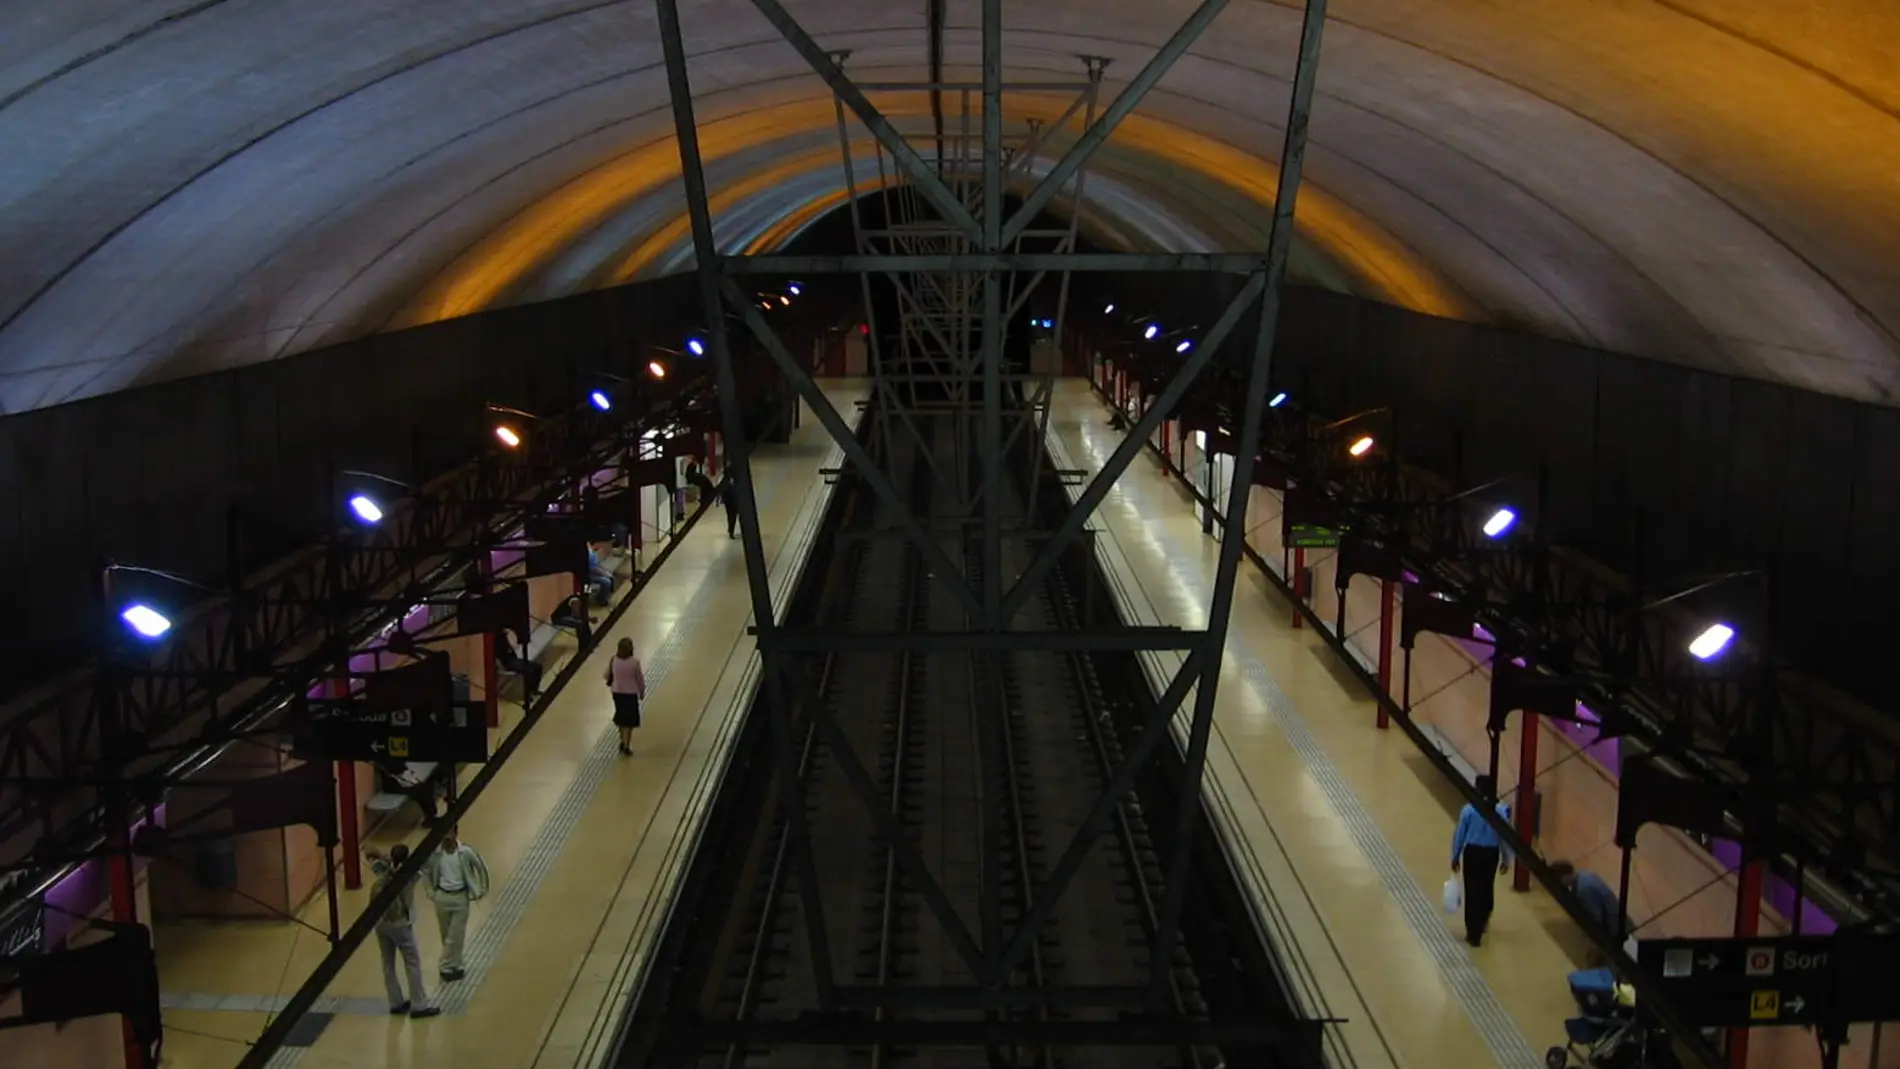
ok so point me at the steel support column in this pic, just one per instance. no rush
(1234, 535)
(739, 472)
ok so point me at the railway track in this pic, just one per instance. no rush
(988, 764)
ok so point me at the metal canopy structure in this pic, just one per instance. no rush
(962, 260)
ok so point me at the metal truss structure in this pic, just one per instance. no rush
(1731, 748)
(952, 250)
(88, 758)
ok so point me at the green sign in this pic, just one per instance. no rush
(1307, 536)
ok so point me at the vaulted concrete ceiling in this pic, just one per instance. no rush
(188, 185)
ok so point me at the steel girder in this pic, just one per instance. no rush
(948, 248)
(234, 665)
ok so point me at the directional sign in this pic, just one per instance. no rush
(1791, 980)
(349, 731)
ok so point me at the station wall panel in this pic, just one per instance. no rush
(1726, 473)
(149, 476)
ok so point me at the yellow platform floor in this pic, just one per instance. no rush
(1344, 830)
(578, 839)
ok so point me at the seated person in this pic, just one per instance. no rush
(1599, 900)
(514, 659)
(572, 615)
(696, 476)
(406, 777)
(599, 579)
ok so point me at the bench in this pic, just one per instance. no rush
(540, 641)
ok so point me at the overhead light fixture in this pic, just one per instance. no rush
(794, 287)
(1152, 331)
(601, 400)
(508, 436)
(656, 369)
(366, 509)
(1109, 309)
(696, 347)
(1361, 447)
(1500, 522)
(1186, 344)
(1277, 400)
(1711, 641)
(146, 621)
(785, 301)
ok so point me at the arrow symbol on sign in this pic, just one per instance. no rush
(1795, 1004)
(376, 747)
(1708, 961)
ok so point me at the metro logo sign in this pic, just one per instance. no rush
(1759, 962)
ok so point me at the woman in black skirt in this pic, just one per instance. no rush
(628, 681)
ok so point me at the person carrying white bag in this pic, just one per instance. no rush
(1476, 848)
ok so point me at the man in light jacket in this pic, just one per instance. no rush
(454, 877)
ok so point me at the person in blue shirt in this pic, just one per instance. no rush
(1478, 853)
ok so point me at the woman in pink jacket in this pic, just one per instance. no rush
(628, 681)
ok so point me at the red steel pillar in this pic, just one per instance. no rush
(491, 676)
(1387, 606)
(1526, 806)
(1748, 887)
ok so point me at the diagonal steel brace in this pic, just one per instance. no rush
(1125, 102)
(1154, 728)
(1131, 444)
(861, 460)
(921, 174)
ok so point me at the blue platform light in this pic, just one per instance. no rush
(1186, 344)
(696, 347)
(1278, 400)
(1108, 309)
(146, 621)
(366, 509)
(601, 400)
(1153, 330)
(796, 290)
(1711, 641)
(1500, 522)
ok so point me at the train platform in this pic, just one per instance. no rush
(581, 843)
(1344, 830)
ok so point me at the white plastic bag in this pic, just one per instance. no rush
(1454, 894)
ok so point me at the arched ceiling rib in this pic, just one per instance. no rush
(195, 184)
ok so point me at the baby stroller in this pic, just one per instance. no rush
(1607, 1035)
